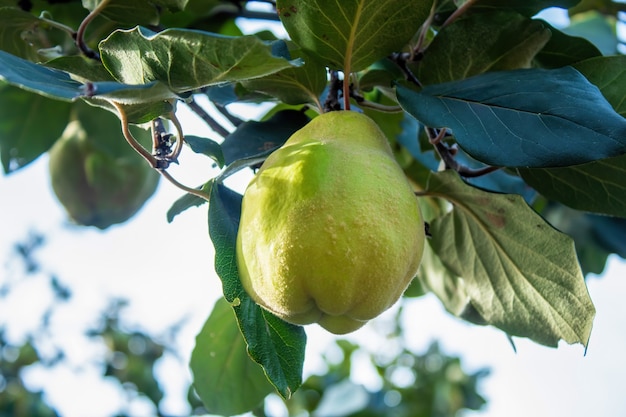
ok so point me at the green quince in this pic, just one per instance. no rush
(330, 230)
(99, 185)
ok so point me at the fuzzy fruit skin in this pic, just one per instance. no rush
(330, 230)
(95, 187)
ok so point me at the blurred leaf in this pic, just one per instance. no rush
(20, 142)
(521, 275)
(15, 26)
(201, 58)
(224, 376)
(594, 27)
(523, 118)
(260, 138)
(276, 345)
(351, 35)
(482, 42)
(598, 186)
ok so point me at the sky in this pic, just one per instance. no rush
(166, 271)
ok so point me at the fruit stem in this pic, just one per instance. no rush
(346, 91)
(80, 33)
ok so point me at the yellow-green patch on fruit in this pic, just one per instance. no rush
(330, 229)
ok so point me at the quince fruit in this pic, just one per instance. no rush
(97, 186)
(330, 229)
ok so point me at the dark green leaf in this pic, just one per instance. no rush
(206, 147)
(276, 345)
(224, 376)
(188, 201)
(22, 142)
(609, 75)
(523, 118)
(293, 85)
(351, 35)
(185, 60)
(260, 138)
(482, 42)
(598, 186)
(81, 67)
(521, 275)
(563, 49)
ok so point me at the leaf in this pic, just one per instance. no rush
(20, 142)
(608, 73)
(136, 12)
(563, 49)
(38, 79)
(224, 376)
(350, 35)
(482, 42)
(300, 85)
(596, 28)
(521, 275)
(261, 138)
(188, 201)
(185, 60)
(276, 345)
(206, 147)
(16, 25)
(523, 118)
(598, 186)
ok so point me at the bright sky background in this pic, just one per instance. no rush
(166, 271)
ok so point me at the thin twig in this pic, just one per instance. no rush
(447, 156)
(401, 60)
(194, 191)
(206, 117)
(234, 120)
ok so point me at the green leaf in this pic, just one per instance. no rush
(482, 42)
(38, 79)
(563, 49)
(206, 147)
(136, 12)
(261, 138)
(523, 118)
(521, 275)
(293, 85)
(596, 28)
(20, 142)
(608, 73)
(598, 186)
(16, 25)
(224, 376)
(350, 35)
(185, 60)
(276, 345)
